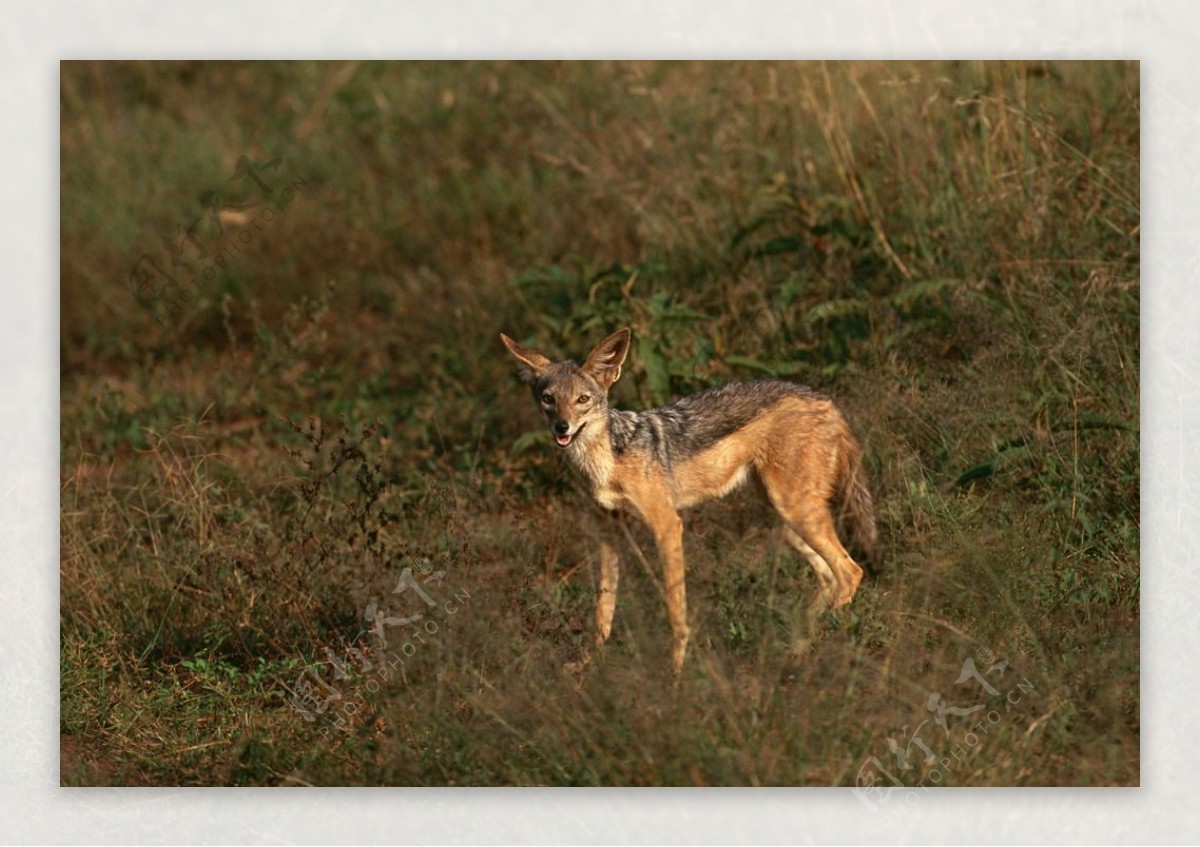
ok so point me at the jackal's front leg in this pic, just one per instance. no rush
(606, 599)
(668, 535)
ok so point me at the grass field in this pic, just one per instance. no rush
(313, 531)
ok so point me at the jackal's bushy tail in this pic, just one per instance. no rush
(857, 508)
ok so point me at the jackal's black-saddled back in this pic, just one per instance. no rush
(694, 423)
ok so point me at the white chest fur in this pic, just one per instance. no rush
(593, 460)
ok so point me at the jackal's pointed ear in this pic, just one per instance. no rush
(529, 362)
(604, 363)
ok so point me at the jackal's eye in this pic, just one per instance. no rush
(547, 398)
(583, 398)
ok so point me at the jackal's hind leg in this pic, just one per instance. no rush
(814, 521)
(809, 522)
(829, 585)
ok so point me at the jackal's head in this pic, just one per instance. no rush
(574, 398)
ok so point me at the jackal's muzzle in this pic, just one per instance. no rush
(562, 433)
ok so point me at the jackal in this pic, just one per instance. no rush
(656, 462)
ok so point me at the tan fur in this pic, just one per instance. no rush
(799, 445)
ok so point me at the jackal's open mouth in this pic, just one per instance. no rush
(565, 440)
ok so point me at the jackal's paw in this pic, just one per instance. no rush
(579, 665)
(823, 602)
(800, 647)
(679, 652)
(844, 599)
